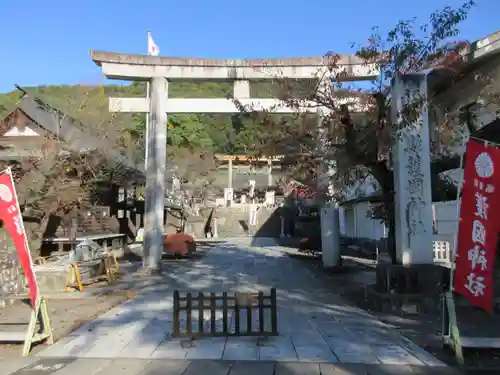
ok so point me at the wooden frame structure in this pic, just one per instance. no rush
(452, 336)
(40, 315)
(214, 303)
(109, 268)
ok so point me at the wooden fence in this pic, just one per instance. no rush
(233, 311)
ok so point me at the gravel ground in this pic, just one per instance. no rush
(65, 316)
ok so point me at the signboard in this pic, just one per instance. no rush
(10, 214)
(478, 225)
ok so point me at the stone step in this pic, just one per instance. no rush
(233, 222)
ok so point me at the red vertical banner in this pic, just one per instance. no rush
(10, 214)
(478, 225)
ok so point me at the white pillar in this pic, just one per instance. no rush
(330, 236)
(215, 229)
(252, 214)
(270, 198)
(228, 197)
(412, 177)
(155, 175)
(341, 220)
(251, 192)
(329, 214)
(230, 173)
(269, 172)
(241, 89)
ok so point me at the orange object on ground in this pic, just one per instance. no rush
(179, 244)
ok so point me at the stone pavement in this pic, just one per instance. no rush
(93, 366)
(315, 324)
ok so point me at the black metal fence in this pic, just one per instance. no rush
(236, 310)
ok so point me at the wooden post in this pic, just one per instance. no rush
(236, 314)
(274, 312)
(249, 315)
(189, 309)
(201, 321)
(176, 329)
(212, 313)
(261, 312)
(225, 328)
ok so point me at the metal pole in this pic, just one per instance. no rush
(146, 146)
(455, 235)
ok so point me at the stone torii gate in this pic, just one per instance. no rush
(160, 70)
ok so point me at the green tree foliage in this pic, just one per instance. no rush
(211, 133)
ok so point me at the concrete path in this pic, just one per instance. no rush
(93, 366)
(315, 324)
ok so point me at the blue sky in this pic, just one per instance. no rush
(47, 42)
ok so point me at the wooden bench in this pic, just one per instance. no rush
(31, 336)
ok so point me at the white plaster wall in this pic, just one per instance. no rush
(342, 220)
(349, 221)
(366, 227)
(446, 217)
(356, 224)
(17, 132)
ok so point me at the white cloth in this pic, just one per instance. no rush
(153, 49)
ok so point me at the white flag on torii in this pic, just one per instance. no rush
(153, 49)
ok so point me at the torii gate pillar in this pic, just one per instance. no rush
(155, 174)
